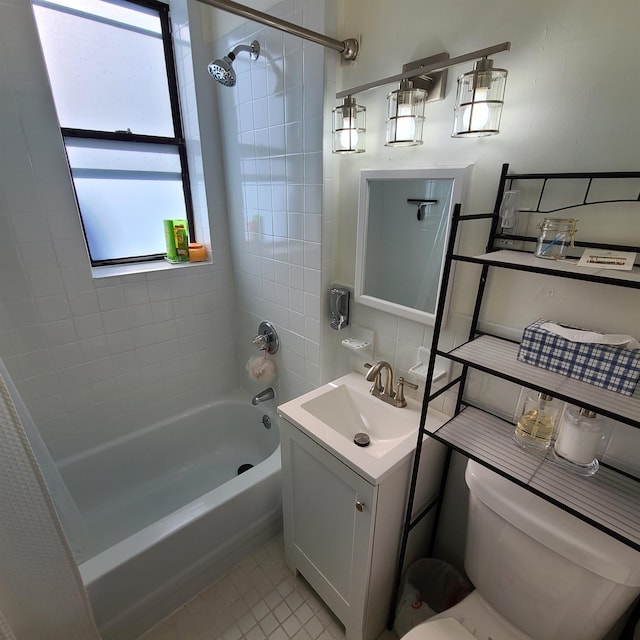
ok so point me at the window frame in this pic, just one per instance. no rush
(178, 140)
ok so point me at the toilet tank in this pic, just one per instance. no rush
(550, 574)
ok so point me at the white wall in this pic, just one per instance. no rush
(95, 359)
(569, 106)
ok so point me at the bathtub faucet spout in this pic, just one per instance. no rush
(266, 394)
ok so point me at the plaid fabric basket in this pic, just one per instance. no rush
(602, 365)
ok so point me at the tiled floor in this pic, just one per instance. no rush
(259, 598)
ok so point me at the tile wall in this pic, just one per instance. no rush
(272, 137)
(94, 359)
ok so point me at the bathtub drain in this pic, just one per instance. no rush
(266, 421)
(244, 467)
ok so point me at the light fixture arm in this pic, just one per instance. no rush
(348, 48)
(422, 71)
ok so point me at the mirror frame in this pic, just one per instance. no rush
(460, 177)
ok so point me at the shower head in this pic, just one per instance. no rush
(222, 71)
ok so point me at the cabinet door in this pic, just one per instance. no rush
(328, 514)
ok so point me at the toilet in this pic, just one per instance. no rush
(540, 573)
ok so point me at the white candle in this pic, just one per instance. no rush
(578, 438)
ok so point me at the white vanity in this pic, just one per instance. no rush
(344, 504)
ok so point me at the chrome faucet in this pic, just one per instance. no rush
(386, 392)
(375, 375)
(263, 396)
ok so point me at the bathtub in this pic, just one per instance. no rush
(165, 511)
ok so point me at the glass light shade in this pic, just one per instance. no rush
(405, 116)
(479, 101)
(349, 127)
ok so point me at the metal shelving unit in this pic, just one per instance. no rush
(609, 500)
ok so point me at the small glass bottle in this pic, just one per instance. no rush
(578, 439)
(536, 426)
(556, 234)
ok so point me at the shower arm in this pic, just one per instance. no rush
(253, 49)
(348, 49)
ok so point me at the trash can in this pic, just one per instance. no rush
(428, 586)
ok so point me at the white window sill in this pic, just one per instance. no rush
(114, 271)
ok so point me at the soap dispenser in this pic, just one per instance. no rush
(578, 439)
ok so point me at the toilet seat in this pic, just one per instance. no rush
(442, 629)
(472, 616)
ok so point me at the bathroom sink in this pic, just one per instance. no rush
(335, 412)
(349, 412)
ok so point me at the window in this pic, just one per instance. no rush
(112, 74)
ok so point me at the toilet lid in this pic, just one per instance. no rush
(441, 629)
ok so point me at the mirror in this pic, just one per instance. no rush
(404, 217)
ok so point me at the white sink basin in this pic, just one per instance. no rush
(348, 412)
(335, 412)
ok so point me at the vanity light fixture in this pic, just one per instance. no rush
(405, 115)
(421, 81)
(479, 101)
(349, 127)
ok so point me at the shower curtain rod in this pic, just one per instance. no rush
(348, 48)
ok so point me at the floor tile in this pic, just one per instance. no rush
(259, 599)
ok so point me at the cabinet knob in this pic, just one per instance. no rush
(359, 505)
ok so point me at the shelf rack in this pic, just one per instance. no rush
(609, 500)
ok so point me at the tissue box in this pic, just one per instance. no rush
(602, 365)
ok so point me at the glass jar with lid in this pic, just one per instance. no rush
(578, 440)
(537, 424)
(556, 235)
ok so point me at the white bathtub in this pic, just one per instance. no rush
(166, 512)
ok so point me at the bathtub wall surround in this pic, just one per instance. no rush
(94, 359)
(272, 138)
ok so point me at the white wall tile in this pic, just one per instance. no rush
(120, 341)
(312, 227)
(110, 297)
(52, 308)
(260, 103)
(313, 255)
(136, 293)
(46, 282)
(94, 348)
(88, 326)
(115, 320)
(296, 252)
(313, 281)
(67, 355)
(37, 256)
(77, 278)
(60, 332)
(100, 370)
(296, 226)
(83, 303)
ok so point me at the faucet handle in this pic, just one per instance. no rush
(399, 397)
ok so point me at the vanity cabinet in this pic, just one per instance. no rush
(609, 500)
(341, 531)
